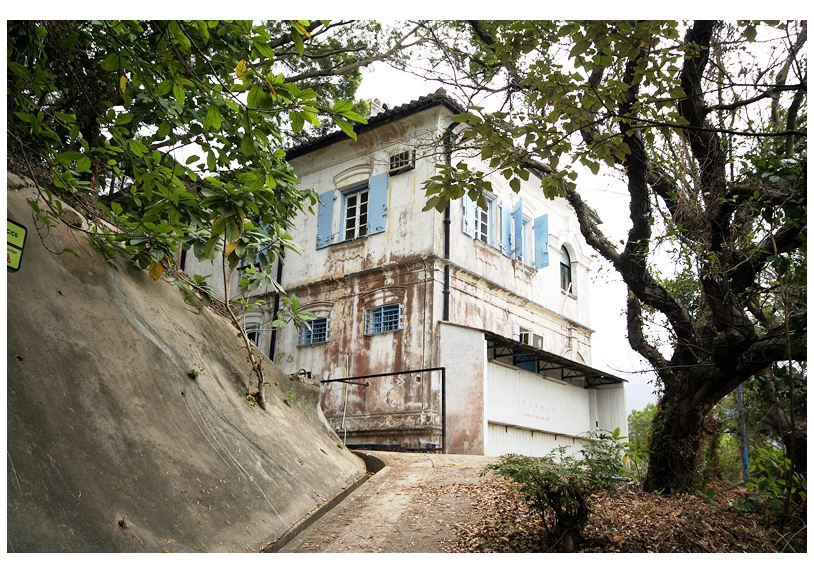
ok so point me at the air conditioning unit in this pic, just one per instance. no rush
(531, 339)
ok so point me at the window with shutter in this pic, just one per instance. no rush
(355, 212)
(362, 212)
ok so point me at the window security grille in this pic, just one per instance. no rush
(384, 319)
(402, 162)
(314, 331)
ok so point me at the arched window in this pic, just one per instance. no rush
(566, 276)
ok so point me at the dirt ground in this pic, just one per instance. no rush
(414, 504)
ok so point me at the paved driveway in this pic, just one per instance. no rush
(400, 508)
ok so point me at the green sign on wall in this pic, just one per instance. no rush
(16, 241)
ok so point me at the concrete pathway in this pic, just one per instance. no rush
(400, 508)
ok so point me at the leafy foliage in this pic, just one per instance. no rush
(173, 131)
(771, 484)
(557, 487)
(210, 87)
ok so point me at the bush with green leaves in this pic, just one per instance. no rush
(771, 487)
(557, 487)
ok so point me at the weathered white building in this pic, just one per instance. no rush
(463, 332)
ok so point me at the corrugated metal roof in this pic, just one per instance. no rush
(568, 368)
(438, 98)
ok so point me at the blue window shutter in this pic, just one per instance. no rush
(541, 242)
(377, 204)
(468, 219)
(491, 215)
(325, 219)
(506, 228)
(517, 215)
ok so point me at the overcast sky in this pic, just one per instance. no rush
(608, 196)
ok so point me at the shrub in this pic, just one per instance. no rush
(557, 487)
(768, 484)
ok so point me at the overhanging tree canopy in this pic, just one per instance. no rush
(705, 122)
(105, 107)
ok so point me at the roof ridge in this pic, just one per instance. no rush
(438, 97)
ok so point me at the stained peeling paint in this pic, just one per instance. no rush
(404, 264)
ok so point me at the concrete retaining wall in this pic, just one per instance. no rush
(113, 447)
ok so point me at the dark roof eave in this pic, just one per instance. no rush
(594, 377)
(439, 98)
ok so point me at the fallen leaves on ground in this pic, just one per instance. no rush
(626, 521)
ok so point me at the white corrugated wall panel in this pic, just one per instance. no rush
(518, 398)
(512, 440)
(612, 409)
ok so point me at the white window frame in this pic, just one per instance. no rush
(314, 332)
(384, 319)
(360, 195)
(484, 218)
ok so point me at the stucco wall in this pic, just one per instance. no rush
(463, 352)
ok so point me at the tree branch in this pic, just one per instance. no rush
(762, 96)
(635, 335)
(397, 47)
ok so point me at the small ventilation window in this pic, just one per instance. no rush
(401, 162)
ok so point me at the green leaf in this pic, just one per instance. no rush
(263, 47)
(750, 32)
(71, 251)
(163, 130)
(83, 164)
(247, 146)
(255, 97)
(67, 157)
(124, 119)
(213, 119)
(297, 121)
(211, 246)
(178, 93)
(67, 118)
(179, 36)
(346, 127)
(138, 148)
(298, 44)
(579, 48)
(111, 62)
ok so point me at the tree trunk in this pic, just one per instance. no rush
(676, 441)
